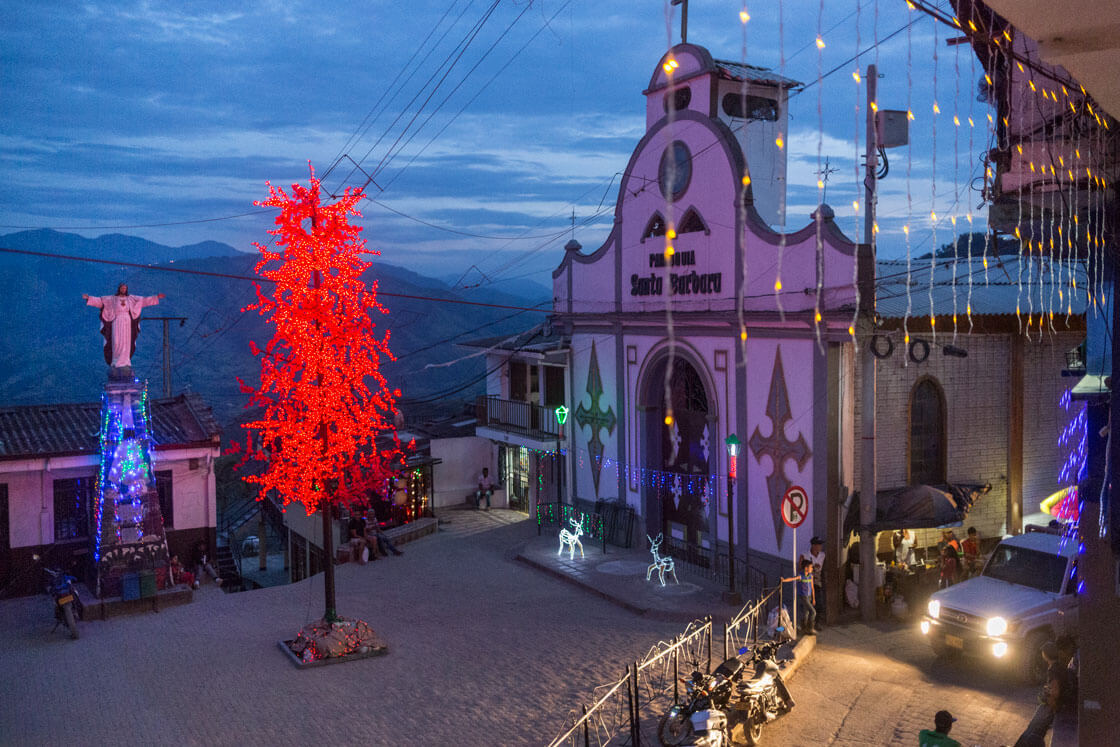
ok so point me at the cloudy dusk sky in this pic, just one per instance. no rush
(485, 124)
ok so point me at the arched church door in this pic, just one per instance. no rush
(685, 449)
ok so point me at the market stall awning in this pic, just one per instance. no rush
(918, 506)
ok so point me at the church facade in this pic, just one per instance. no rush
(695, 321)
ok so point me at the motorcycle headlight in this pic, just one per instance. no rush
(996, 626)
(934, 608)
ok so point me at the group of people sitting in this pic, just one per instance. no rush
(367, 541)
(200, 562)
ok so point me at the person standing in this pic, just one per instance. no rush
(120, 322)
(816, 554)
(904, 547)
(938, 736)
(806, 599)
(485, 489)
(1054, 694)
(971, 549)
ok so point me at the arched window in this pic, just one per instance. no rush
(655, 227)
(927, 434)
(691, 222)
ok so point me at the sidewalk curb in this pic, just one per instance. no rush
(643, 611)
(801, 650)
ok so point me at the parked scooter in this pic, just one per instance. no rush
(67, 605)
(764, 696)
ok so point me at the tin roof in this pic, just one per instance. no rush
(755, 74)
(48, 430)
(1008, 283)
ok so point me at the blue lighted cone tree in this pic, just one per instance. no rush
(324, 398)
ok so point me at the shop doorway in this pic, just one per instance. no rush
(516, 468)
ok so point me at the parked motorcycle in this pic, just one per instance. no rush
(702, 717)
(67, 605)
(763, 697)
(702, 713)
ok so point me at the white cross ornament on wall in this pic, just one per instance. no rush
(677, 490)
(705, 443)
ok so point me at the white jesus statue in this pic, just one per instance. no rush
(120, 323)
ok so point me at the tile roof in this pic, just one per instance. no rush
(1009, 282)
(48, 430)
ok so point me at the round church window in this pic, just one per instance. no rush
(675, 170)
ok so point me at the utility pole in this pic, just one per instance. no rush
(868, 369)
(166, 347)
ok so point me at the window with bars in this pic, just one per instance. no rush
(72, 500)
(927, 434)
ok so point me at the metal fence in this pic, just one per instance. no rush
(622, 709)
(712, 563)
(557, 514)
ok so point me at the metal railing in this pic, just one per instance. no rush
(521, 417)
(712, 563)
(557, 514)
(617, 715)
(619, 709)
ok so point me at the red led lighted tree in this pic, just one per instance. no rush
(324, 397)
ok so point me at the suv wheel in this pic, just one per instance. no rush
(1032, 666)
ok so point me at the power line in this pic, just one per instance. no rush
(141, 225)
(204, 273)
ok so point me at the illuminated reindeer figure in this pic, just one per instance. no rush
(571, 539)
(662, 564)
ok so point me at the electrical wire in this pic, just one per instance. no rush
(204, 273)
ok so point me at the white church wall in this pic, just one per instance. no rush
(765, 530)
(586, 406)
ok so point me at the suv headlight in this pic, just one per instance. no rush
(996, 626)
(934, 608)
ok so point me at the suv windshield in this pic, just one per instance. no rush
(1018, 565)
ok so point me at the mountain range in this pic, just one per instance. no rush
(51, 351)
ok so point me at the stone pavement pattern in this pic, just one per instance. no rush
(880, 685)
(484, 650)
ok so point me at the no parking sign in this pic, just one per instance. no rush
(795, 506)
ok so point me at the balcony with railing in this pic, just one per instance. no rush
(524, 419)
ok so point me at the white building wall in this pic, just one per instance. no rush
(462, 461)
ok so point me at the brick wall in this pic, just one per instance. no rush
(976, 391)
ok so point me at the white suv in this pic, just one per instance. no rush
(1025, 596)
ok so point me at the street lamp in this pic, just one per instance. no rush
(733, 444)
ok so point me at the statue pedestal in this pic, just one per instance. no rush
(129, 536)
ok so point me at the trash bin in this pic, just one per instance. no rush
(130, 586)
(147, 584)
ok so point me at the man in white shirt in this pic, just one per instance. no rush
(485, 489)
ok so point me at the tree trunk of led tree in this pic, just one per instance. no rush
(323, 396)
